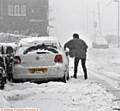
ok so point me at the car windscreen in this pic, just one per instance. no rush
(51, 48)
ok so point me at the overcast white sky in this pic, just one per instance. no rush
(78, 16)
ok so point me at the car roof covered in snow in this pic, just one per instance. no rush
(100, 41)
(37, 40)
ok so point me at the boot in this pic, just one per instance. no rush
(75, 76)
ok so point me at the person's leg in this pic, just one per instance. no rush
(83, 61)
(76, 61)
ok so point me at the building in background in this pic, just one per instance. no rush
(24, 16)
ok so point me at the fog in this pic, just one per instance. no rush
(69, 16)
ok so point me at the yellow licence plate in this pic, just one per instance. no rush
(38, 70)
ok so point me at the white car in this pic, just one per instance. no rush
(100, 43)
(40, 58)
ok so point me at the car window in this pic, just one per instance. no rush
(51, 48)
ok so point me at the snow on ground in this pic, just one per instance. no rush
(104, 58)
(75, 95)
(106, 62)
(10, 38)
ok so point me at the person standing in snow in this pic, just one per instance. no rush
(77, 49)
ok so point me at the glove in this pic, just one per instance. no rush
(67, 53)
(70, 53)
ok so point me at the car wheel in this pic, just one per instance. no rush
(67, 72)
(68, 77)
(2, 83)
(10, 77)
(14, 80)
(64, 79)
(2, 86)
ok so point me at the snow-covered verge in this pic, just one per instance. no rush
(10, 38)
(76, 95)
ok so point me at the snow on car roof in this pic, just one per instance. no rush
(101, 41)
(37, 40)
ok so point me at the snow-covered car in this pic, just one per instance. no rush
(40, 58)
(100, 42)
(7, 45)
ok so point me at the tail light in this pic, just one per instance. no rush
(17, 60)
(58, 59)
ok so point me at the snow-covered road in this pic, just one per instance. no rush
(76, 95)
(103, 66)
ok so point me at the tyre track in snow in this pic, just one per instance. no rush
(100, 68)
(105, 75)
(108, 83)
(111, 84)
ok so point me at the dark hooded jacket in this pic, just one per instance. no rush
(77, 48)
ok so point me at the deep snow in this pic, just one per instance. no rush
(76, 95)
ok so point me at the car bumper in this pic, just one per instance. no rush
(52, 72)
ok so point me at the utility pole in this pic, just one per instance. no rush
(118, 27)
(95, 24)
(87, 15)
(99, 18)
(1, 9)
(118, 24)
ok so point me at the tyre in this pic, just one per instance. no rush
(68, 77)
(10, 77)
(2, 83)
(14, 80)
(64, 79)
(4, 80)
(2, 86)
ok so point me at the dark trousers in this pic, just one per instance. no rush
(76, 62)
